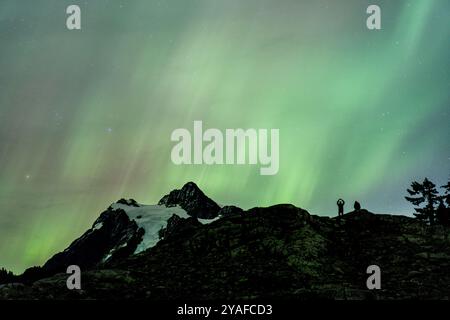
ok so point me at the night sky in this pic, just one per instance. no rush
(86, 116)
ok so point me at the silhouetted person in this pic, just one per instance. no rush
(340, 203)
(357, 206)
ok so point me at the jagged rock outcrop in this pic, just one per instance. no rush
(129, 202)
(228, 210)
(112, 236)
(192, 200)
(177, 226)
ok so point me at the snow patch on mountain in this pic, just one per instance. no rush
(97, 226)
(152, 218)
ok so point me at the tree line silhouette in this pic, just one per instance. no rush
(6, 276)
(431, 206)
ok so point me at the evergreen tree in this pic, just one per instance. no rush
(425, 197)
(443, 213)
(6, 276)
(446, 196)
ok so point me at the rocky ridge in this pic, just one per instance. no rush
(277, 252)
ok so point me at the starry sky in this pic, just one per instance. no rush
(86, 116)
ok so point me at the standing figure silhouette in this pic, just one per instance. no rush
(340, 203)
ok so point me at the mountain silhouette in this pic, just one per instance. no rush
(170, 251)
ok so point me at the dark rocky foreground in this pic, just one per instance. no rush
(279, 252)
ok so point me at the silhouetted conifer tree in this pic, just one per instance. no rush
(6, 276)
(425, 199)
(443, 214)
(446, 196)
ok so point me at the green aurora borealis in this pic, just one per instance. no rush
(86, 116)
